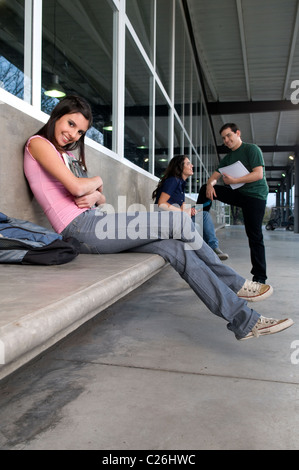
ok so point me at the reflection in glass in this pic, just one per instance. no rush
(78, 48)
(78, 41)
(164, 37)
(138, 93)
(162, 122)
(12, 76)
(141, 15)
(179, 69)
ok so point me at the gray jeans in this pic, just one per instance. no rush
(173, 236)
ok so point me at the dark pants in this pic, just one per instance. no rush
(253, 213)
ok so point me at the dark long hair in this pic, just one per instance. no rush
(175, 168)
(68, 105)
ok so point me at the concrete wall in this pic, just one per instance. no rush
(16, 199)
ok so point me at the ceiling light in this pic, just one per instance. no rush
(108, 126)
(142, 146)
(55, 89)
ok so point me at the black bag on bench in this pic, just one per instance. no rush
(22, 242)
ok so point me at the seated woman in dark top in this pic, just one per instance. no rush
(170, 195)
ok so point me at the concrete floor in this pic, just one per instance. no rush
(158, 371)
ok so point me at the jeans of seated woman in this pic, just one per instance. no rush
(205, 226)
(172, 236)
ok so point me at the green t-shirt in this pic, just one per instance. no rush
(251, 156)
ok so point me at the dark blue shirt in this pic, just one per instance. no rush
(175, 187)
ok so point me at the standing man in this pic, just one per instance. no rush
(251, 197)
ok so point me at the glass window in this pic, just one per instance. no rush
(188, 92)
(196, 106)
(78, 55)
(141, 15)
(12, 58)
(183, 84)
(196, 177)
(162, 123)
(179, 139)
(164, 42)
(205, 143)
(180, 70)
(138, 109)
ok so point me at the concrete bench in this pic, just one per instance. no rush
(42, 305)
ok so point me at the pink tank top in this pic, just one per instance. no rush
(56, 201)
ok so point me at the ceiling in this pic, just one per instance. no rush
(248, 54)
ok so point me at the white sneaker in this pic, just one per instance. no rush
(268, 326)
(255, 291)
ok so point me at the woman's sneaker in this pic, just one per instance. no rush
(254, 291)
(268, 326)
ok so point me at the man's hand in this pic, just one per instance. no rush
(229, 179)
(210, 192)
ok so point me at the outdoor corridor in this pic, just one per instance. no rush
(158, 371)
